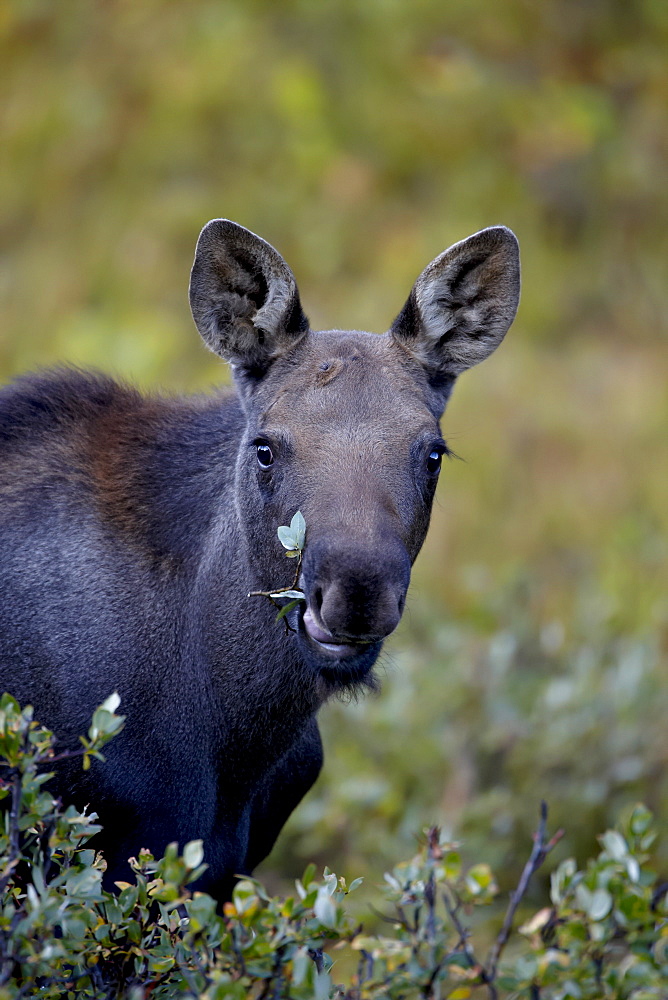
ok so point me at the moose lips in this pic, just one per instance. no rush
(324, 640)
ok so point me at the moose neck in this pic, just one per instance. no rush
(250, 664)
(165, 481)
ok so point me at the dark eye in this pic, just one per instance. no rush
(265, 456)
(434, 461)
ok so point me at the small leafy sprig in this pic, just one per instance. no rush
(293, 539)
(26, 749)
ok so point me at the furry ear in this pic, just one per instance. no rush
(462, 304)
(244, 297)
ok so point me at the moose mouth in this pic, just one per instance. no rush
(340, 664)
(326, 643)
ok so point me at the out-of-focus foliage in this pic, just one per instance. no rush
(63, 935)
(361, 137)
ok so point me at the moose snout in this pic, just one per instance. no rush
(355, 594)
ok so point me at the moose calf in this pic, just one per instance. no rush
(133, 528)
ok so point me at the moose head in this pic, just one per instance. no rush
(344, 425)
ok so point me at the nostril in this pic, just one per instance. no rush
(357, 594)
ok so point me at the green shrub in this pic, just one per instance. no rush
(603, 934)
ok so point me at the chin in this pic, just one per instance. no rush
(348, 672)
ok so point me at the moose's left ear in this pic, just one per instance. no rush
(463, 303)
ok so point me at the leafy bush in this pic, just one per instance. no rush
(480, 716)
(604, 934)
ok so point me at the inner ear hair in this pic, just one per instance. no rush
(244, 297)
(463, 303)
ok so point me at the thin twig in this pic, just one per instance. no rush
(464, 933)
(659, 892)
(541, 848)
(364, 968)
(52, 758)
(317, 956)
(395, 921)
(272, 594)
(280, 590)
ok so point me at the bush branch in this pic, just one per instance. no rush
(541, 848)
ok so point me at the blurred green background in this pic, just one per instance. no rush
(362, 137)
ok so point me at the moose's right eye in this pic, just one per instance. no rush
(265, 456)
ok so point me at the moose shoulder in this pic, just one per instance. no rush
(133, 528)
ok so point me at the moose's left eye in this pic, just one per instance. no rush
(265, 455)
(434, 461)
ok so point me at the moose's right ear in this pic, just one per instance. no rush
(244, 297)
(462, 304)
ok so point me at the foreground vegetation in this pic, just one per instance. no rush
(602, 933)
